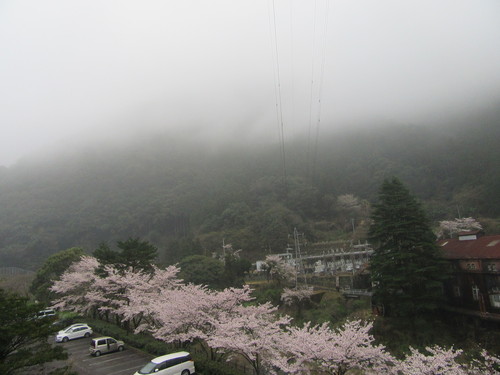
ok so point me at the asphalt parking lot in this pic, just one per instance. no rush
(118, 363)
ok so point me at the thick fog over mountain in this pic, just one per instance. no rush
(231, 70)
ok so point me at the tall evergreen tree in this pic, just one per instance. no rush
(406, 267)
(134, 253)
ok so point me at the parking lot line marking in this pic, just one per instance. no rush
(128, 369)
(101, 361)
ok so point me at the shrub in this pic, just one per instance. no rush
(207, 367)
(157, 347)
(267, 293)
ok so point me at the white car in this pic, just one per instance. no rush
(179, 363)
(45, 313)
(74, 331)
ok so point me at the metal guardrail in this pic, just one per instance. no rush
(10, 271)
(356, 293)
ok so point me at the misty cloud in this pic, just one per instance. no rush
(103, 68)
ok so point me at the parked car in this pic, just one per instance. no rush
(74, 331)
(45, 313)
(179, 363)
(101, 345)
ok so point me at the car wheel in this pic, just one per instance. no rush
(97, 354)
(65, 339)
(185, 372)
(120, 348)
(87, 335)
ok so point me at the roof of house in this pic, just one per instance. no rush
(484, 247)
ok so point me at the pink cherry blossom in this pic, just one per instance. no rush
(332, 351)
(448, 228)
(74, 286)
(296, 295)
(252, 333)
(228, 325)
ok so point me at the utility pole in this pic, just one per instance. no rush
(299, 266)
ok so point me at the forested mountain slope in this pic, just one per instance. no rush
(186, 197)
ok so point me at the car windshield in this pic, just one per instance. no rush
(148, 369)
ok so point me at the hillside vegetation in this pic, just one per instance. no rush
(187, 198)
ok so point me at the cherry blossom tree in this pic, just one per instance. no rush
(348, 202)
(252, 333)
(449, 228)
(291, 296)
(227, 326)
(297, 297)
(143, 291)
(437, 361)
(181, 314)
(489, 365)
(74, 287)
(278, 269)
(446, 361)
(320, 348)
(192, 312)
(124, 292)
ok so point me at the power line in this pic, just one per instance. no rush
(279, 105)
(308, 155)
(292, 117)
(320, 90)
(312, 150)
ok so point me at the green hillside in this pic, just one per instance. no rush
(187, 198)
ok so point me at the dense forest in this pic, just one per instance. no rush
(188, 198)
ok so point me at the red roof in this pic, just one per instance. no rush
(485, 247)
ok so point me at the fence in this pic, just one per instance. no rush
(12, 271)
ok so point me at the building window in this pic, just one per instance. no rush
(475, 293)
(495, 300)
(456, 291)
(492, 267)
(471, 266)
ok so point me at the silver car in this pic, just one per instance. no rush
(101, 345)
(74, 331)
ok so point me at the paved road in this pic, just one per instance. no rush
(117, 363)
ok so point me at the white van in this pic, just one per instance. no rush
(179, 363)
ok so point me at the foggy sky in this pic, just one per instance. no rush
(86, 69)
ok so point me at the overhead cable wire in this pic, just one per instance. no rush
(320, 90)
(309, 132)
(292, 66)
(279, 106)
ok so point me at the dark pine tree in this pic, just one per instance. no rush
(138, 255)
(135, 254)
(406, 267)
